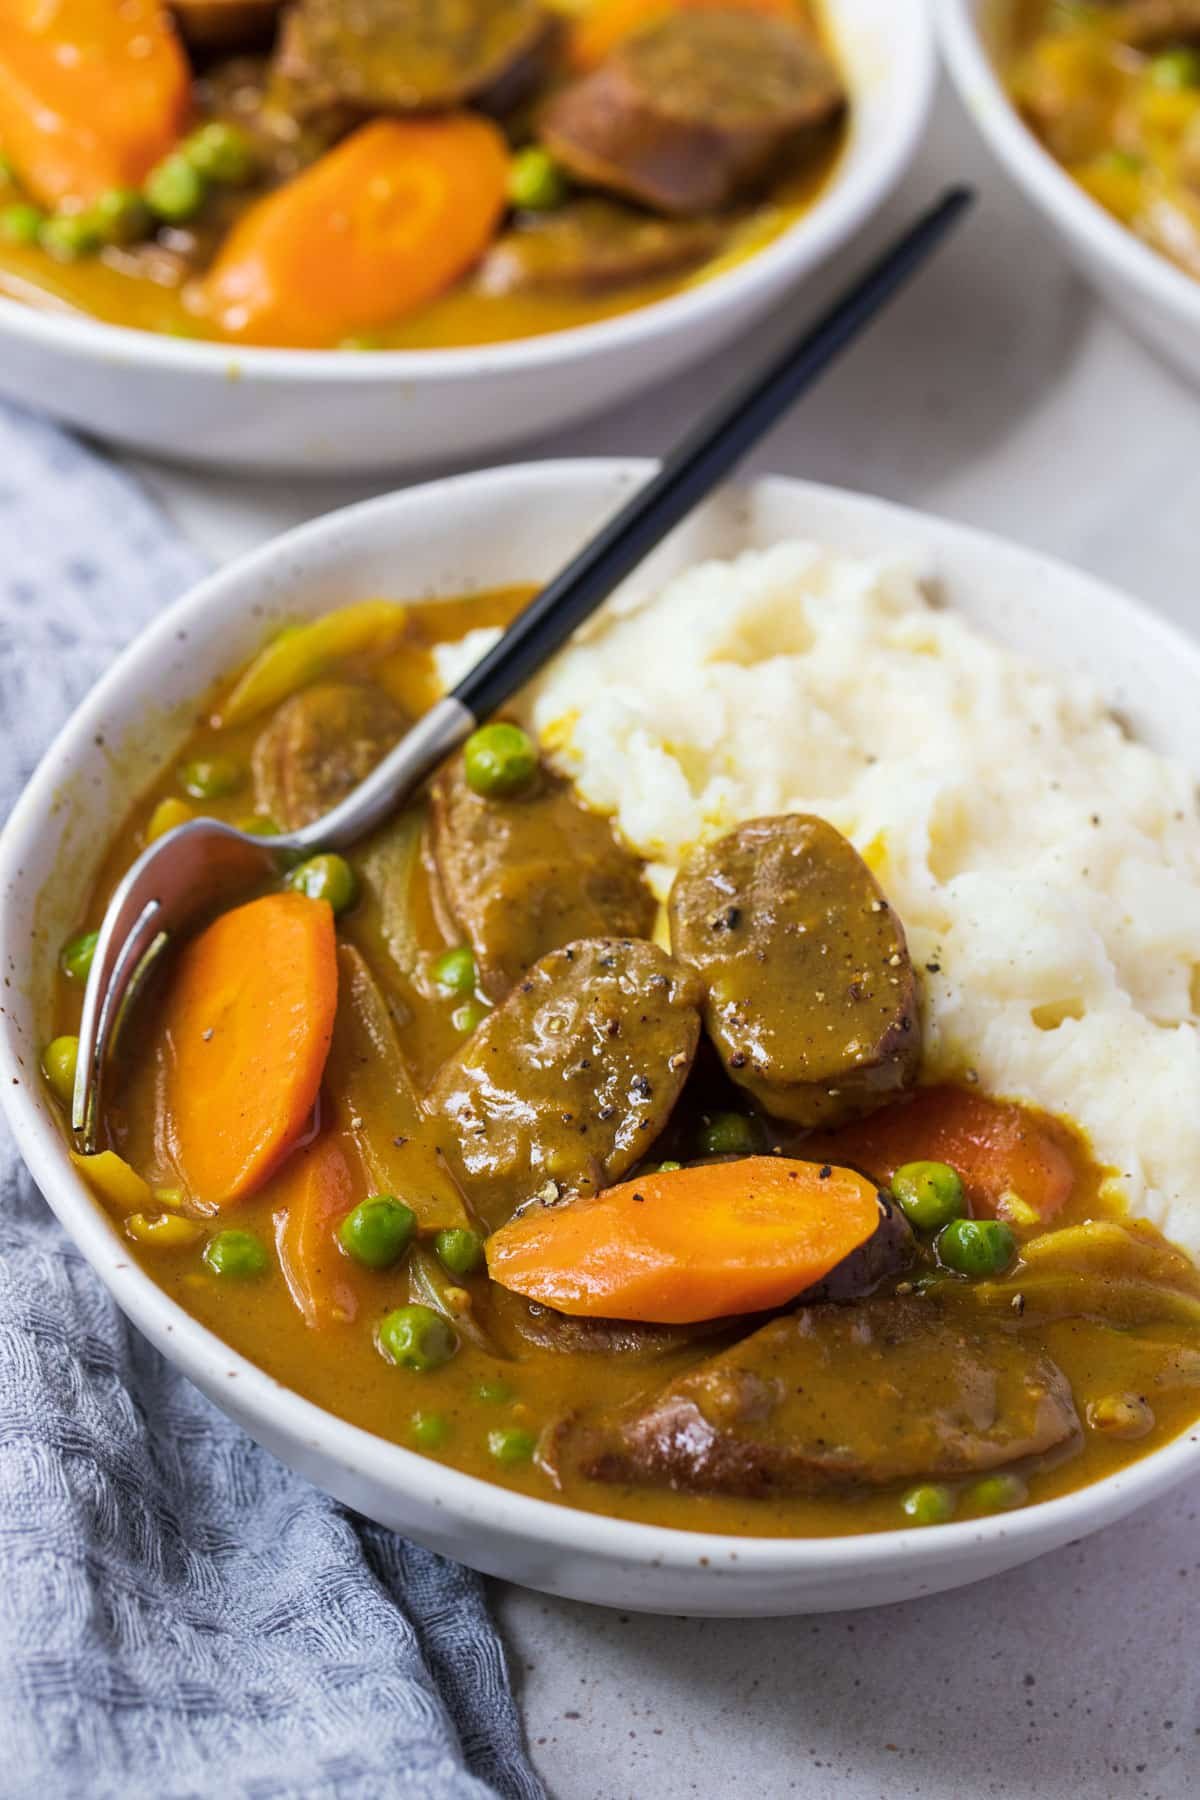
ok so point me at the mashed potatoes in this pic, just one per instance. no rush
(1047, 869)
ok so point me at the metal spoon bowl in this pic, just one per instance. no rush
(201, 866)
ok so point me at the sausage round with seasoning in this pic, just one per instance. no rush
(694, 113)
(811, 999)
(570, 1081)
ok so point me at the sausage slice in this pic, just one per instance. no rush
(590, 246)
(319, 745)
(811, 997)
(690, 115)
(528, 874)
(412, 56)
(830, 1398)
(571, 1080)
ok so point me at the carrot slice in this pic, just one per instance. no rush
(998, 1148)
(315, 1192)
(246, 1027)
(598, 31)
(688, 1244)
(378, 226)
(92, 94)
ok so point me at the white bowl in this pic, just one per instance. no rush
(504, 526)
(321, 410)
(1156, 300)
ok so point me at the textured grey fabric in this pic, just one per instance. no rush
(180, 1615)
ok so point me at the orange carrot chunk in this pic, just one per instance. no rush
(997, 1148)
(246, 1027)
(688, 1244)
(315, 1192)
(375, 228)
(92, 94)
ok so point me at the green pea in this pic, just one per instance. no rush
(416, 1337)
(378, 1231)
(326, 878)
(929, 1194)
(362, 340)
(236, 1255)
(121, 216)
(58, 1066)
(429, 1430)
(459, 1251)
(727, 1134)
(454, 971)
(511, 1444)
(468, 1017)
(220, 152)
(68, 237)
(929, 1504)
(666, 1168)
(259, 825)
(494, 1393)
(501, 760)
(174, 190)
(977, 1247)
(997, 1493)
(75, 959)
(22, 223)
(536, 183)
(1176, 70)
(211, 777)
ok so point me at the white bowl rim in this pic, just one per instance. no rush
(840, 209)
(200, 1353)
(1016, 147)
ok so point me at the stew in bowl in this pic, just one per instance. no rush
(1112, 89)
(627, 1124)
(406, 174)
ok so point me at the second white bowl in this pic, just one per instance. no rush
(1156, 300)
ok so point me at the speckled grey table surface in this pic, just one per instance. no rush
(1000, 393)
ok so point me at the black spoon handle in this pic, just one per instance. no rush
(703, 457)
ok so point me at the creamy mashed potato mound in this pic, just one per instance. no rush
(1046, 869)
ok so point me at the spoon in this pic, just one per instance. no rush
(204, 865)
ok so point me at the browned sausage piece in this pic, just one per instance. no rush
(531, 873)
(320, 744)
(520, 1323)
(571, 1080)
(590, 246)
(811, 997)
(889, 1250)
(694, 113)
(411, 56)
(832, 1398)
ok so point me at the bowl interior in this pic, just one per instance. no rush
(975, 36)
(453, 537)
(888, 54)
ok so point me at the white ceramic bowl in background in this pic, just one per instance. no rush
(321, 410)
(1156, 300)
(505, 526)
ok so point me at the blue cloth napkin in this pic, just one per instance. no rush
(179, 1614)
